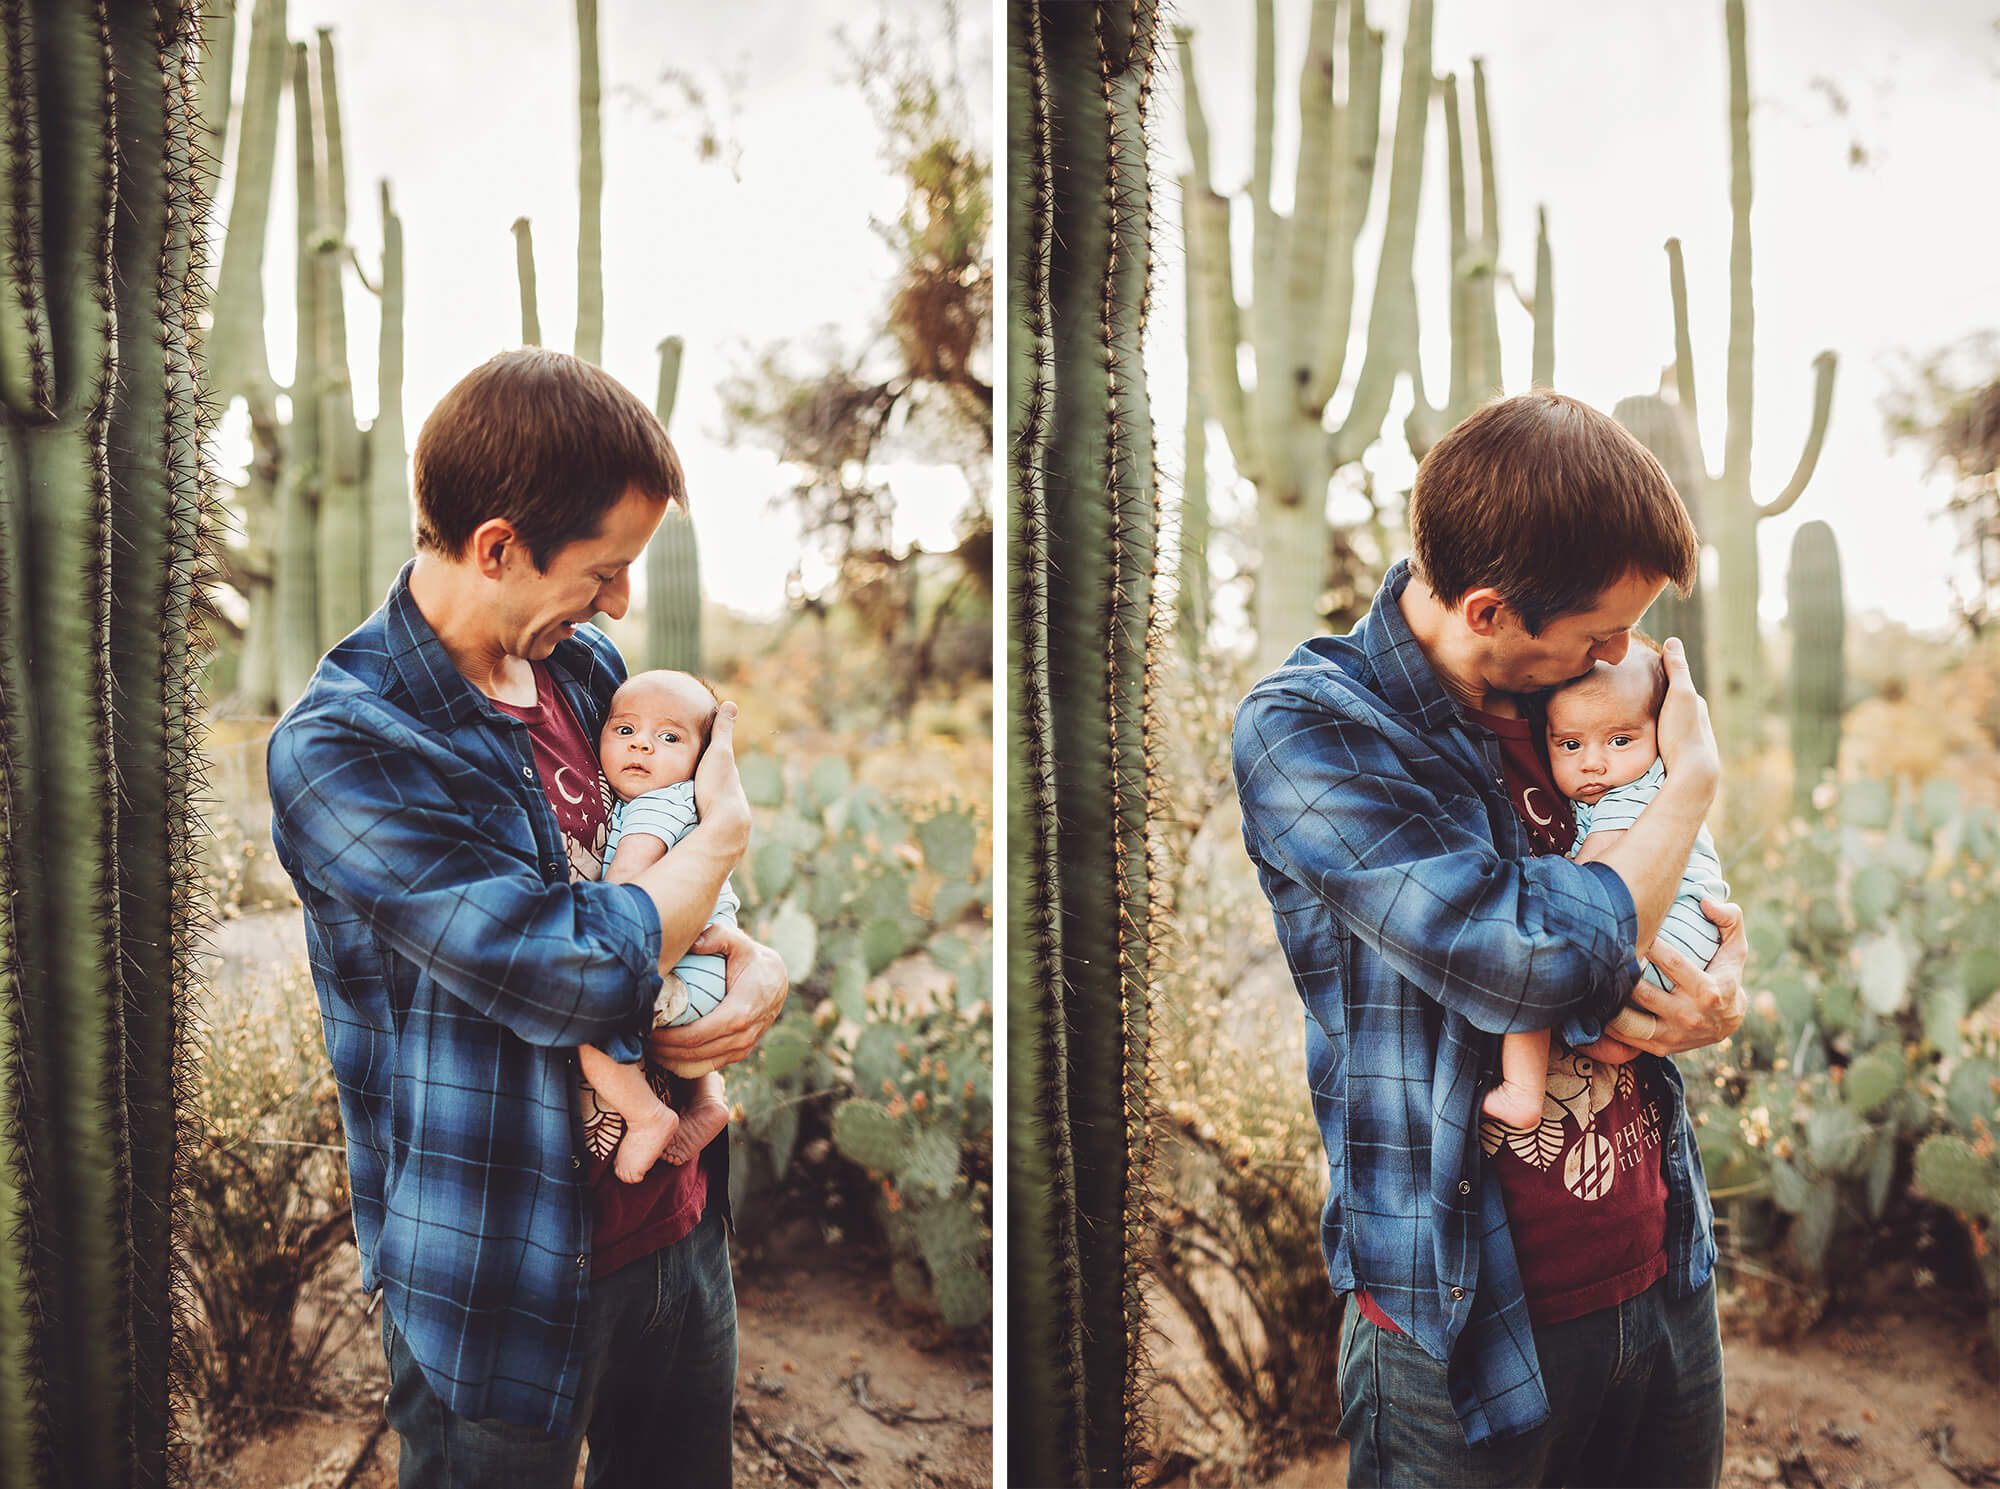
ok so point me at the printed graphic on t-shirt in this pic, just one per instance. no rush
(1590, 1159)
(583, 831)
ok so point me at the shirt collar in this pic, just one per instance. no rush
(439, 692)
(1403, 674)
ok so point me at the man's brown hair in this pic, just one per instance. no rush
(1549, 502)
(543, 439)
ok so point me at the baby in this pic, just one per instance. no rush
(655, 731)
(1604, 754)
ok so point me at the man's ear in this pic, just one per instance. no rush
(1481, 609)
(491, 543)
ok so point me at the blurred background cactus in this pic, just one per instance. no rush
(106, 522)
(1817, 616)
(673, 561)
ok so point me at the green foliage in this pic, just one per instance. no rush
(880, 910)
(1865, 1056)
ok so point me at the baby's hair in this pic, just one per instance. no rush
(1656, 674)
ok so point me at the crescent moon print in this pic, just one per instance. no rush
(1528, 805)
(562, 771)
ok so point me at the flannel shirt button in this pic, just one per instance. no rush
(1457, 1293)
(527, 772)
(582, 1262)
(1465, 1186)
(574, 1161)
(553, 867)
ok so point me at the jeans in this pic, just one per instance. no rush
(1635, 1398)
(655, 1403)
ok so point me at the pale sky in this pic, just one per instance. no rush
(1613, 114)
(472, 115)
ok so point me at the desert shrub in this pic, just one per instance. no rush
(880, 1070)
(271, 1207)
(1866, 1060)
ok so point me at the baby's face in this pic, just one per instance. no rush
(1601, 732)
(654, 733)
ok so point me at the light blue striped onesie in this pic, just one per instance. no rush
(695, 985)
(1685, 928)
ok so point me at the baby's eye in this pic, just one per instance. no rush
(624, 729)
(669, 736)
(1621, 740)
(1570, 745)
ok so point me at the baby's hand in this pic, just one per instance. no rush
(1687, 742)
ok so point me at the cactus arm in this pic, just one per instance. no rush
(295, 579)
(1816, 614)
(1264, 128)
(590, 190)
(673, 562)
(524, 271)
(1270, 314)
(1312, 202)
(1214, 324)
(1360, 132)
(1485, 292)
(1046, 1373)
(1741, 384)
(389, 527)
(1823, 369)
(1192, 568)
(1545, 304)
(1677, 282)
(159, 509)
(1392, 314)
(236, 353)
(342, 554)
(1459, 398)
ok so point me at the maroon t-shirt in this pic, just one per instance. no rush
(628, 1220)
(1586, 1200)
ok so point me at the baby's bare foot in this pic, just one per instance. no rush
(646, 1137)
(700, 1125)
(1514, 1106)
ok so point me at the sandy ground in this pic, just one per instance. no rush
(1897, 1399)
(840, 1386)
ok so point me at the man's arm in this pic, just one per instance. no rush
(1510, 944)
(375, 827)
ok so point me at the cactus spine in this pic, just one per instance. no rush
(103, 519)
(1818, 618)
(673, 563)
(1662, 427)
(1728, 505)
(1085, 516)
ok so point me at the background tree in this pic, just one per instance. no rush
(1949, 404)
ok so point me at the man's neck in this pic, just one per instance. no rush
(446, 596)
(1453, 652)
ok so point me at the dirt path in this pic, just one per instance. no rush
(1876, 1402)
(838, 1386)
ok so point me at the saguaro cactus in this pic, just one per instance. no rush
(1301, 309)
(1817, 615)
(1729, 510)
(390, 539)
(590, 190)
(1084, 520)
(673, 564)
(1663, 428)
(103, 520)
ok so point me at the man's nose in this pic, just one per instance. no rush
(615, 598)
(1613, 651)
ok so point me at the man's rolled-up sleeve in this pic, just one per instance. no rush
(373, 826)
(1509, 944)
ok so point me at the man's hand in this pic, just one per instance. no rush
(1706, 1004)
(718, 789)
(1686, 741)
(756, 984)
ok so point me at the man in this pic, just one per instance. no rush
(437, 803)
(1526, 1312)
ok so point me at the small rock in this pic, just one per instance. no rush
(1761, 1467)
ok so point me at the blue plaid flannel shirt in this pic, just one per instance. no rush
(458, 967)
(1419, 928)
